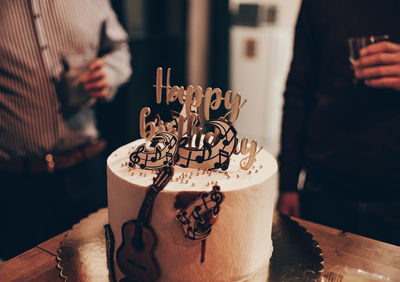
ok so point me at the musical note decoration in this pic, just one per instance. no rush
(199, 215)
(210, 156)
(135, 256)
(161, 154)
(179, 152)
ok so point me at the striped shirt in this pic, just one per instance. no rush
(35, 37)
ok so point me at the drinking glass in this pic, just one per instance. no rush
(75, 68)
(357, 43)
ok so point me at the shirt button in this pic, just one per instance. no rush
(44, 47)
(35, 16)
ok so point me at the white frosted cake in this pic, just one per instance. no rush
(236, 247)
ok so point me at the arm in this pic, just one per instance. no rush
(113, 67)
(379, 65)
(300, 87)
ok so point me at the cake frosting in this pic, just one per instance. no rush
(239, 243)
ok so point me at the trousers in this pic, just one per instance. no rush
(36, 207)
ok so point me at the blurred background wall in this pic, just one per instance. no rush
(239, 45)
(261, 40)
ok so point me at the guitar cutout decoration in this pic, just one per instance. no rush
(135, 256)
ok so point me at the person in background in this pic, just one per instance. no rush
(344, 136)
(57, 58)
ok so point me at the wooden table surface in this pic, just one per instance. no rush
(347, 257)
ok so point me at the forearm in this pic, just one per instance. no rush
(114, 49)
(118, 68)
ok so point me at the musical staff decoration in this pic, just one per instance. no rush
(162, 153)
(210, 156)
(198, 216)
(197, 213)
(167, 151)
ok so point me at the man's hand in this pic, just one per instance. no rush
(289, 203)
(96, 82)
(379, 65)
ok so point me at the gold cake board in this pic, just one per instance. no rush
(82, 255)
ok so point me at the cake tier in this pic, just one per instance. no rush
(240, 241)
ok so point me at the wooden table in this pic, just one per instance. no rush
(348, 257)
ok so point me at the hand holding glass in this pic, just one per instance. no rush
(379, 65)
(357, 43)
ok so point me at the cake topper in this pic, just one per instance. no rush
(194, 147)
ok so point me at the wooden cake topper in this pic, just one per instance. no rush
(185, 128)
(135, 256)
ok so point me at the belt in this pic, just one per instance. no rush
(52, 162)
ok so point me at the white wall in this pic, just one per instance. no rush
(261, 78)
(197, 34)
(288, 9)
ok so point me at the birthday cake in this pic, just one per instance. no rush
(185, 206)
